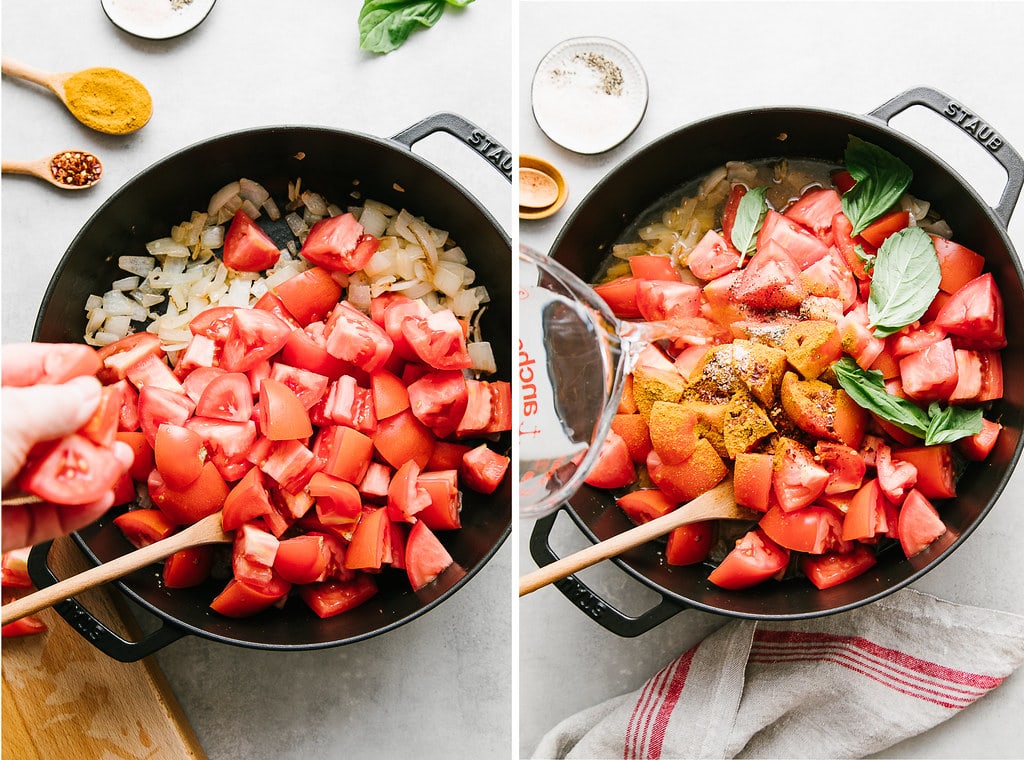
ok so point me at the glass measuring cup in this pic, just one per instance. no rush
(574, 356)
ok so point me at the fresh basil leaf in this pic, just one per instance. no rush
(867, 389)
(904, 280)
(881, 180)
(952, 424)
(385, 24)
(750, 214)
(459, 3)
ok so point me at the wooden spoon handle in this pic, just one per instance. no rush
(19, 167)
(29, 74)
(716, 504)
(206, 531)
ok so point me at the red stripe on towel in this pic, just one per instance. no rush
(675, 689)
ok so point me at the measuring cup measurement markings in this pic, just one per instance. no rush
(574, 356)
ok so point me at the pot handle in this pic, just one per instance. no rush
(590, 603)
(91, 628)
(489, 149)
(974, 126)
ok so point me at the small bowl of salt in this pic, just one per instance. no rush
(157, 19)
(589, 94)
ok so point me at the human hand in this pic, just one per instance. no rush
(49, 391)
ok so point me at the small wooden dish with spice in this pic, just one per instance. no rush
(542, 188)
(68, 169)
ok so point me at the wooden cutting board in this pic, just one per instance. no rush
(63, 698)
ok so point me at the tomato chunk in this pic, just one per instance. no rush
(247, 247)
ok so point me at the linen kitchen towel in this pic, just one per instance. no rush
(842, 686)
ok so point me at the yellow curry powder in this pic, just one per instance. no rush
(108, 100)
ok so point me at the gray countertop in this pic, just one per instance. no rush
(440, 686)
(706, 58)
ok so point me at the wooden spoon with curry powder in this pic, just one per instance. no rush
(104, 99)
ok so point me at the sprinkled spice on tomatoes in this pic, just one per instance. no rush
(838, 357)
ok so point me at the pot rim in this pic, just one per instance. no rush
(170, 621)
(871, 122)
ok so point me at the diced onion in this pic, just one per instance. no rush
(482, 356)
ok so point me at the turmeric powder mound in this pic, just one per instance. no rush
(740, 365)
(710, 421)
(650, 385)
(672, 430)
(812, 347)
(745, 425)
(108, 100)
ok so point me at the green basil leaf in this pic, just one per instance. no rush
(459, 3)
(952, 424)
(867, 389)
(904, 280)
(385, 24)
(881, 180)
(750, 214)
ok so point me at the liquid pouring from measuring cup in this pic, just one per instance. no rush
(574, 356)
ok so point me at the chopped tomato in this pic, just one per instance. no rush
(439, 400)
(828, 570)
(662, 300)
(118, 356)
(771, 280)
(483, 469)
(802, 246)
(620, 295)
(179, 455)
(101, 428)
(353, 337)
(72, 470)
(333, 597)
(755, 559)
(690, 544)
(752, 480)
(974, 314)
(701, 472)
(14, 569)
(844, 464)
(958, 264)
(797, 480)
(713, 257)
(438, 340)
(26, 626)
(977, 447)
(402, 437)
(445, 507)
(645, 504)
(309, 296)
(340, 244)
(425, 556)
(142, 452)
(919, 524)
(614, 466)
(189, 567)
(935, 475)
(931, 373)
(366, 551)
(895, 477)
(197, 500)
(282, 415)
(344, 453)
(390, 395)
(247, 247)
(405, 496)
(876, 232)
(240, 599)
(815, 210)
(302, 559)
(813, 529)
(654, 267)
(255, 336)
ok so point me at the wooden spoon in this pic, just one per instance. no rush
(116, 103)
(716, 504)
(206, 531)
(536, 189)
(68, 169)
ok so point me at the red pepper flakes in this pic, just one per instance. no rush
(75, 167)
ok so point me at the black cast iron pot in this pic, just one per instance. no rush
(664, 166)
(334, 163)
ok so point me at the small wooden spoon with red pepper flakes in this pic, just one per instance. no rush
(68, 169)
